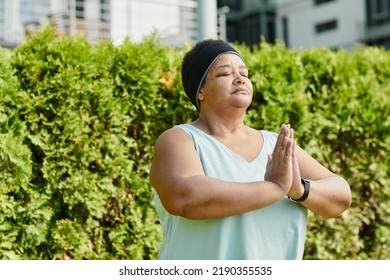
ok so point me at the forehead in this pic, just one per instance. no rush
(228, 60)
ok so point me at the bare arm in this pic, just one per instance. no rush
(330, 194)
(184, 189)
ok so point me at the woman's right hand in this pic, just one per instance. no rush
(280, 163)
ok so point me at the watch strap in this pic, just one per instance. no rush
(306, 190)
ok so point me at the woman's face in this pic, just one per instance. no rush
(227, 84)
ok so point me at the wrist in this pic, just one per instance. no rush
(296, 191)
(303, 194)
(274, 182)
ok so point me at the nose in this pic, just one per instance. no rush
(239, 79)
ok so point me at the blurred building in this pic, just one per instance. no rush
(299, 23)
(333, 23)
(18, 18)
(12, 15)
(308, 23)
(174, 20)
(249, 20)
(377, 24)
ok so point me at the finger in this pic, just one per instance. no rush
(280, 139)
(288, 131)
(293, 149)
(294, 143)
(288, 149)
(285, 142)
(295, 159)
(289, 135)
(292, 134)
(281, 135)
(284, 146)
(296, 170)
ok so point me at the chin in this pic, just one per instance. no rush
(243, 103)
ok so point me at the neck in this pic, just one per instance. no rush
(220, 124)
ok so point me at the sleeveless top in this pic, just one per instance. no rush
(273, 232)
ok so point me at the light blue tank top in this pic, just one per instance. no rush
(273, 232)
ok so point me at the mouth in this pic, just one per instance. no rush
(243, 91)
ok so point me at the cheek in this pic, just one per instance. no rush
(221, 84)
(250, 86)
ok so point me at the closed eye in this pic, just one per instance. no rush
(224, 74)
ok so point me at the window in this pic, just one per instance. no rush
(285, 30)
(378, 12)
(320, 2)
(80, 9)
(234, 5)
(105, 10)
(326, 26)
(381, 41)
(252, 27)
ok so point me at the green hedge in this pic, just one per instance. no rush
(78, 124)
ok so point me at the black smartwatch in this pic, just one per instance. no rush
(306, 190)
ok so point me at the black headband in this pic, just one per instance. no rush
(196, 71)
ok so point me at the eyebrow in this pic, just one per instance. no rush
(229, 66)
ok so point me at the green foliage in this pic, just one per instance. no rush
(85, 150)
(338, 103)
(22, 207)
(78, 124)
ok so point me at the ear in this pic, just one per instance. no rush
(200, 95)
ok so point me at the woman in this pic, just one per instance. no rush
(226, 191)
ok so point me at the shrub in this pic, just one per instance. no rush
(338, 104)
(78, 124)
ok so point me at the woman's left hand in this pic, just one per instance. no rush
(296, 190)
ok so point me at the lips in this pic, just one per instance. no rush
(241, 90)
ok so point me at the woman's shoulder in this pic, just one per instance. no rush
(173, 135)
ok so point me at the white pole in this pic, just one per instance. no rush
(222, 22)
(207, 19)
(72, 17)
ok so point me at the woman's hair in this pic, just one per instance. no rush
(197, 62)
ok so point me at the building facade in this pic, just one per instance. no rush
(330, 23)
(249, 20)
(18, 18)
(308, 23)
(14, 13)
(298, 23)
(174, 20)
(377, 27)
